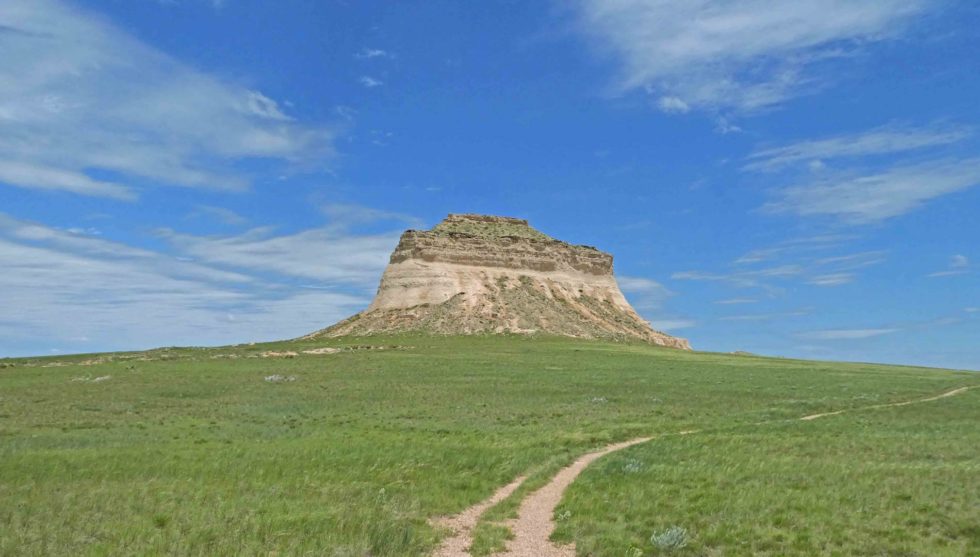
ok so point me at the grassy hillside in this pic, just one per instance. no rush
(195, 452)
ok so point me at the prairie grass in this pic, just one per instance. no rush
(192, 452)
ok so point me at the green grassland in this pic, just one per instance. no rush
(194, 452)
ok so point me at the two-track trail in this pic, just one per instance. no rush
(462, 524)
(535, 519)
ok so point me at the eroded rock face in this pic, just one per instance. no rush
(476, 274)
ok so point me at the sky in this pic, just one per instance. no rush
(795, 179)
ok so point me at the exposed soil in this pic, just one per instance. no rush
(535, 520)
(462, 524)
(905, 403)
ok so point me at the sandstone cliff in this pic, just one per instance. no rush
(475, 274)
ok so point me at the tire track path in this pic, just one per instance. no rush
(535, 518)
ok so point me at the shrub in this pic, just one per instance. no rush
(670, 539)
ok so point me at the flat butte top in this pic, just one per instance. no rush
(487, 226)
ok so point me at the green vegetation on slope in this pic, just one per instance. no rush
(194, 452)
(893, 481)
(495, 229)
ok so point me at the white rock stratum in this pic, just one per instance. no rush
(477, 274)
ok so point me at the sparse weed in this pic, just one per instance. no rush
(632, 466)
(671, 539)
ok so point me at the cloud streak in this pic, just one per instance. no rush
(868, 198)
(81, 99)
(846, 334)
(878, 141)
(99, 294)
(735, 54)
(958, 265)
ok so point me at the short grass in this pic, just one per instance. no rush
(192, 452)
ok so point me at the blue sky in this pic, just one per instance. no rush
(796, 179)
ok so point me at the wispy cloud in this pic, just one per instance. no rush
(793, 246)
(368, 53)
(958, 265)
(734, 301)
(874, 197)
(673, 324)
(324, 255)
(844, 177)
(370, 82)
(878, 141)
(117, 296)
(644, 294)
(846, 334)
(81, 99)
(220, 214)
(797, 259)
(347, 214)
(833, 279)
(745, 279)
(673, 104)
(735, 54)
(766, 316)
(648, 296)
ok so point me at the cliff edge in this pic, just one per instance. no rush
(474, 274)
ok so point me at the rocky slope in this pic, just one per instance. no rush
(475, 274)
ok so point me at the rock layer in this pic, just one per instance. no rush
(474, 274)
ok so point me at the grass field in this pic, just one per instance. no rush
(195, 452)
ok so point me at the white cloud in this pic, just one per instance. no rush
(644, 294)
(972, 310)
(40, 176)
(765, 316)
(370, 82)
(324, 255)
(739, 54)
(743, 279)
(833, 279)
(673, 324)
(846, 334)
(347, 214)
(724, 126)
(59, 287)
(221, 214)
(870, 198)
(958, 265)
(81, 98)
(852, 261)
(734, 301)
(673, 105)
(367, 53)
(878, 141)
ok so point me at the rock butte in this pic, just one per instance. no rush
(477, 274)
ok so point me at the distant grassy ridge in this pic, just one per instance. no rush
(194, 452)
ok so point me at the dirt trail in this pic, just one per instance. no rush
(534, 524)
(462, 524)
(889, 405)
